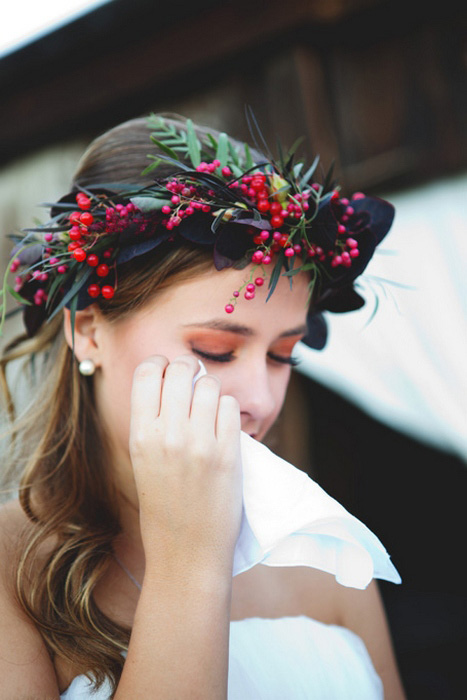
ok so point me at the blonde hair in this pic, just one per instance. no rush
(59, 448)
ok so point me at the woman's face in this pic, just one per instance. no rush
(248, 350)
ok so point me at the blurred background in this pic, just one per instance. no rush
(379, 418)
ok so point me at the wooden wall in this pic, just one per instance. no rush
(379, 85)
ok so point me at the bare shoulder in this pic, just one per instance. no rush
(25, 666)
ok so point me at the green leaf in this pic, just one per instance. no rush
(222, 149)
(217, 221)
(193, 144)
(164, 148)
(212, 142)
(73, 306)
(233, 155)
(248, 159)
(275, 274)
(152, 166)
(80, 280)
(297, 169)
(148, 204)
(306, 177)
(17, 296)
(238, 172)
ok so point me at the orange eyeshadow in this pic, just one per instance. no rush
(217, 342)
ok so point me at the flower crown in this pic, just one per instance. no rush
(271, 214)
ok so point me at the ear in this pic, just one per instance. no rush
(83, 339)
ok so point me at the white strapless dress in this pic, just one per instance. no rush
(289, 658)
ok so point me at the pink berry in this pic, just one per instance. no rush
(226, 171)
(259, 281)
(249, 295)
(229, 308)
(48, 237)
(266, 260)
(236, 293)
(289, 252)
(352, 243)
(257, 256)
(354, 252)
(250, 288)
(166, 209)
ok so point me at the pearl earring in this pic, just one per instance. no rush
(87, 367)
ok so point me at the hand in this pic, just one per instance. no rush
(185, 451)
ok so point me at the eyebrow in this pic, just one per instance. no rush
(238, 328)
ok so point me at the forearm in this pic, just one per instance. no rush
(180, 639)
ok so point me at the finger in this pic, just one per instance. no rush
(204, 405)
(177, 389)
(228, 424)
(146, 391)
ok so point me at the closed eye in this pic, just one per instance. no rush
(229, 356)
(213, 357)
(293, 361)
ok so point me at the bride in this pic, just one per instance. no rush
(132, 560)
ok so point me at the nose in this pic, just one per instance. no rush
(256, 396)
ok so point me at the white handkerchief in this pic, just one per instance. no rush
(288, 520)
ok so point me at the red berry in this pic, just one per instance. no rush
(263, 205)
(108, 291)
(276, 207)
(79, 254)
(277, 221)
(86, 218)
(102, 270)
(83, 201)
(74, 216)
(75, 233)
(94, 290)
(93, 260)
(257, 183)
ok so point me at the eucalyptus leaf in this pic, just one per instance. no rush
(222, 149)
(148, 204)
(193, 144)
(234, 157)
(212, 142)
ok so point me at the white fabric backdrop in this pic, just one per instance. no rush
(407, 365)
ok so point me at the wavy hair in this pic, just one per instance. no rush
(58, 448)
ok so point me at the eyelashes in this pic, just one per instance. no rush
(229, 356)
